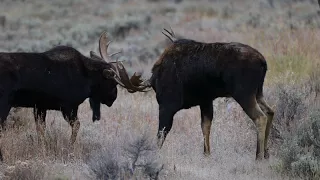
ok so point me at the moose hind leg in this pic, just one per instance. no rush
(71, 115)
(253, 110)
(270, 114)
(166, 114)
(206, 121)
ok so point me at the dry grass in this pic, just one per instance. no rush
(232, 139)
(291, 54)
(101, 150)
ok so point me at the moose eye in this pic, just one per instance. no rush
(107, 73)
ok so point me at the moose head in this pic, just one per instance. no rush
(105, 91)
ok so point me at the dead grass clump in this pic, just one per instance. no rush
(17, 125)
(39, 169)
(23, 144)
(57, 144)
(20, 141)
(25, 170)
(290, 54)
(19, 145)
(293, 66)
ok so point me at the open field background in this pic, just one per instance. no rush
(122, 144)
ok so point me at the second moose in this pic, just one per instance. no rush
(191, 73)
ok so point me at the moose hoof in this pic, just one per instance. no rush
(259, 157)
(206, 154)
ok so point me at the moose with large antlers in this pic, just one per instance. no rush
(191, 73)
(58, 79)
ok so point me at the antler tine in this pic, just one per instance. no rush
(115, 62)
(173, 36)
(116, 53)
(135, 79)
(108, 43)
(103, 45)
(167, 36)
(139, 83)
(116, 76)
(125, 80)
(117, 79)
(124, 77)
(117, 70)
(113, 54)
(172, 33)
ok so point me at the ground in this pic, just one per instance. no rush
(285, 32)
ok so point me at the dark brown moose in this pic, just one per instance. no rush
(58, 79)
(191, 73)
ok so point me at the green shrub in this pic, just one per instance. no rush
(139, 161)
(291, 107)
(300, 154)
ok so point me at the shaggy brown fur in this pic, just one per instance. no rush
(191, 73)
(58, 79)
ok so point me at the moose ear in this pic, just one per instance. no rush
(108, 73)
(94, 56)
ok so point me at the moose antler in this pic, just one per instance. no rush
(103, 46)
(132, 84)
(171, 35)
(118, 71)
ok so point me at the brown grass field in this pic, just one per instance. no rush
(122, 144)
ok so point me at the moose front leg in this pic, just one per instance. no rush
(166, 114)
(71, 115)
(206, 121)
(95, 106)
(7, 83)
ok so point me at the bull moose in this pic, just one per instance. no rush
(58, 79)
(191, 73)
